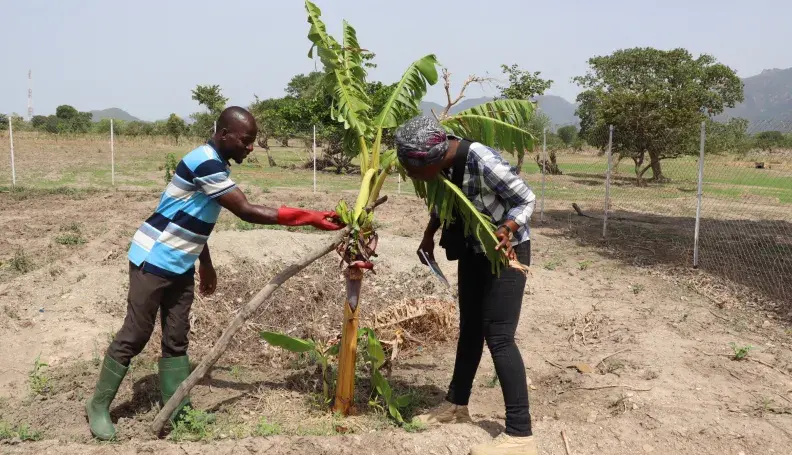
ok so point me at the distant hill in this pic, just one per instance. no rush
(113, 113)
(768, 101)
(560, 111)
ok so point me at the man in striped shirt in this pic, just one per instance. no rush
(162, 259)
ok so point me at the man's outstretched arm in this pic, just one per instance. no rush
(236, 202)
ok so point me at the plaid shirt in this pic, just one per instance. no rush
(497, 191)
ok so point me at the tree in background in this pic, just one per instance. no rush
(769, 140)
(655, 100)
(525, 85)
(3, 122)
(103, 127)
(211, 97)
(729, 137)
(70, 120)
(307, 104)
(568, 134)
(138, 128)
(175, 127)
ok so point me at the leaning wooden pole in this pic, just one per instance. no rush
(345, 387)
(247, 311)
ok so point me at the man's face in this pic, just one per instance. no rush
(424, 173)
(236, 142)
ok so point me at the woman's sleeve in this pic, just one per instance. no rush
(498, 176)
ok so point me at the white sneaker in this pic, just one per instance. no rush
(445, 413)
(507, 445)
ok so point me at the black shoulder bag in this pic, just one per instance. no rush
(453, 238)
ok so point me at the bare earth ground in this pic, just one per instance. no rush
(670, 388)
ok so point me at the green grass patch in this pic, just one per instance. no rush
(39, 381)
(23, 432)
(22, 193)
(264, 428)
(71, 235)
(20, 262)
(196, 425)
(553, 263)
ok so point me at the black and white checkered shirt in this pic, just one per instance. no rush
(496, 191)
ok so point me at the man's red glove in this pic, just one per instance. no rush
(326, 221)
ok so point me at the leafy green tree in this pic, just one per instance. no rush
(568, 134)
(769, 140)
(38, 122)
(19, 122)
(175, 127)
(70, 120)
(103, 127)
(211, 97)
(160, 128)
(655, 100)
(138, 128)
(523, 85)
(3, 122)
(728, 137)
(203, 125)
(65, 112)
(306, 86)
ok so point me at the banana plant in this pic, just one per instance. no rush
(492, 124)
(322, 353)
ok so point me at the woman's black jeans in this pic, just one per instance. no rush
(489, 309)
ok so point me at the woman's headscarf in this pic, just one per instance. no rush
(421, 141)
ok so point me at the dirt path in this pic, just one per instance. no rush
(669, 387)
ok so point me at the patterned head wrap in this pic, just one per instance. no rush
(421, 141)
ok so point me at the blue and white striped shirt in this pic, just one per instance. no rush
(170, 240)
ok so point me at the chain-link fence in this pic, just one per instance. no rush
(643, 204)
(728, 214)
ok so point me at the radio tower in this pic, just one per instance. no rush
(30, 95)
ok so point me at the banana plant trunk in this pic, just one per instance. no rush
(345, 387)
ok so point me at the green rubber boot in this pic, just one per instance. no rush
(98, 406)
(172, 372)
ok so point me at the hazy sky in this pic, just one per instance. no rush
(145, 56)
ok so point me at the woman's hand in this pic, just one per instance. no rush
(427, 245)
(503, 235)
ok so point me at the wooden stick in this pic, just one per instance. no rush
(611, 387)
(247, 311)
(609, 356)
(551, 362)
(767, 365)
(566, 443)
(719, 316)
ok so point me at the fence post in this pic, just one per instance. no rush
(112, 153)
(699, 193)
(607, 183)
(314, 158)
(11, 138)
(544, 171)
(398, 180)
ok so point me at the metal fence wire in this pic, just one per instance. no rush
(719, 206)
(716, 201)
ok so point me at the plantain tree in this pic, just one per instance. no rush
(491, 123)
(344, 77)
